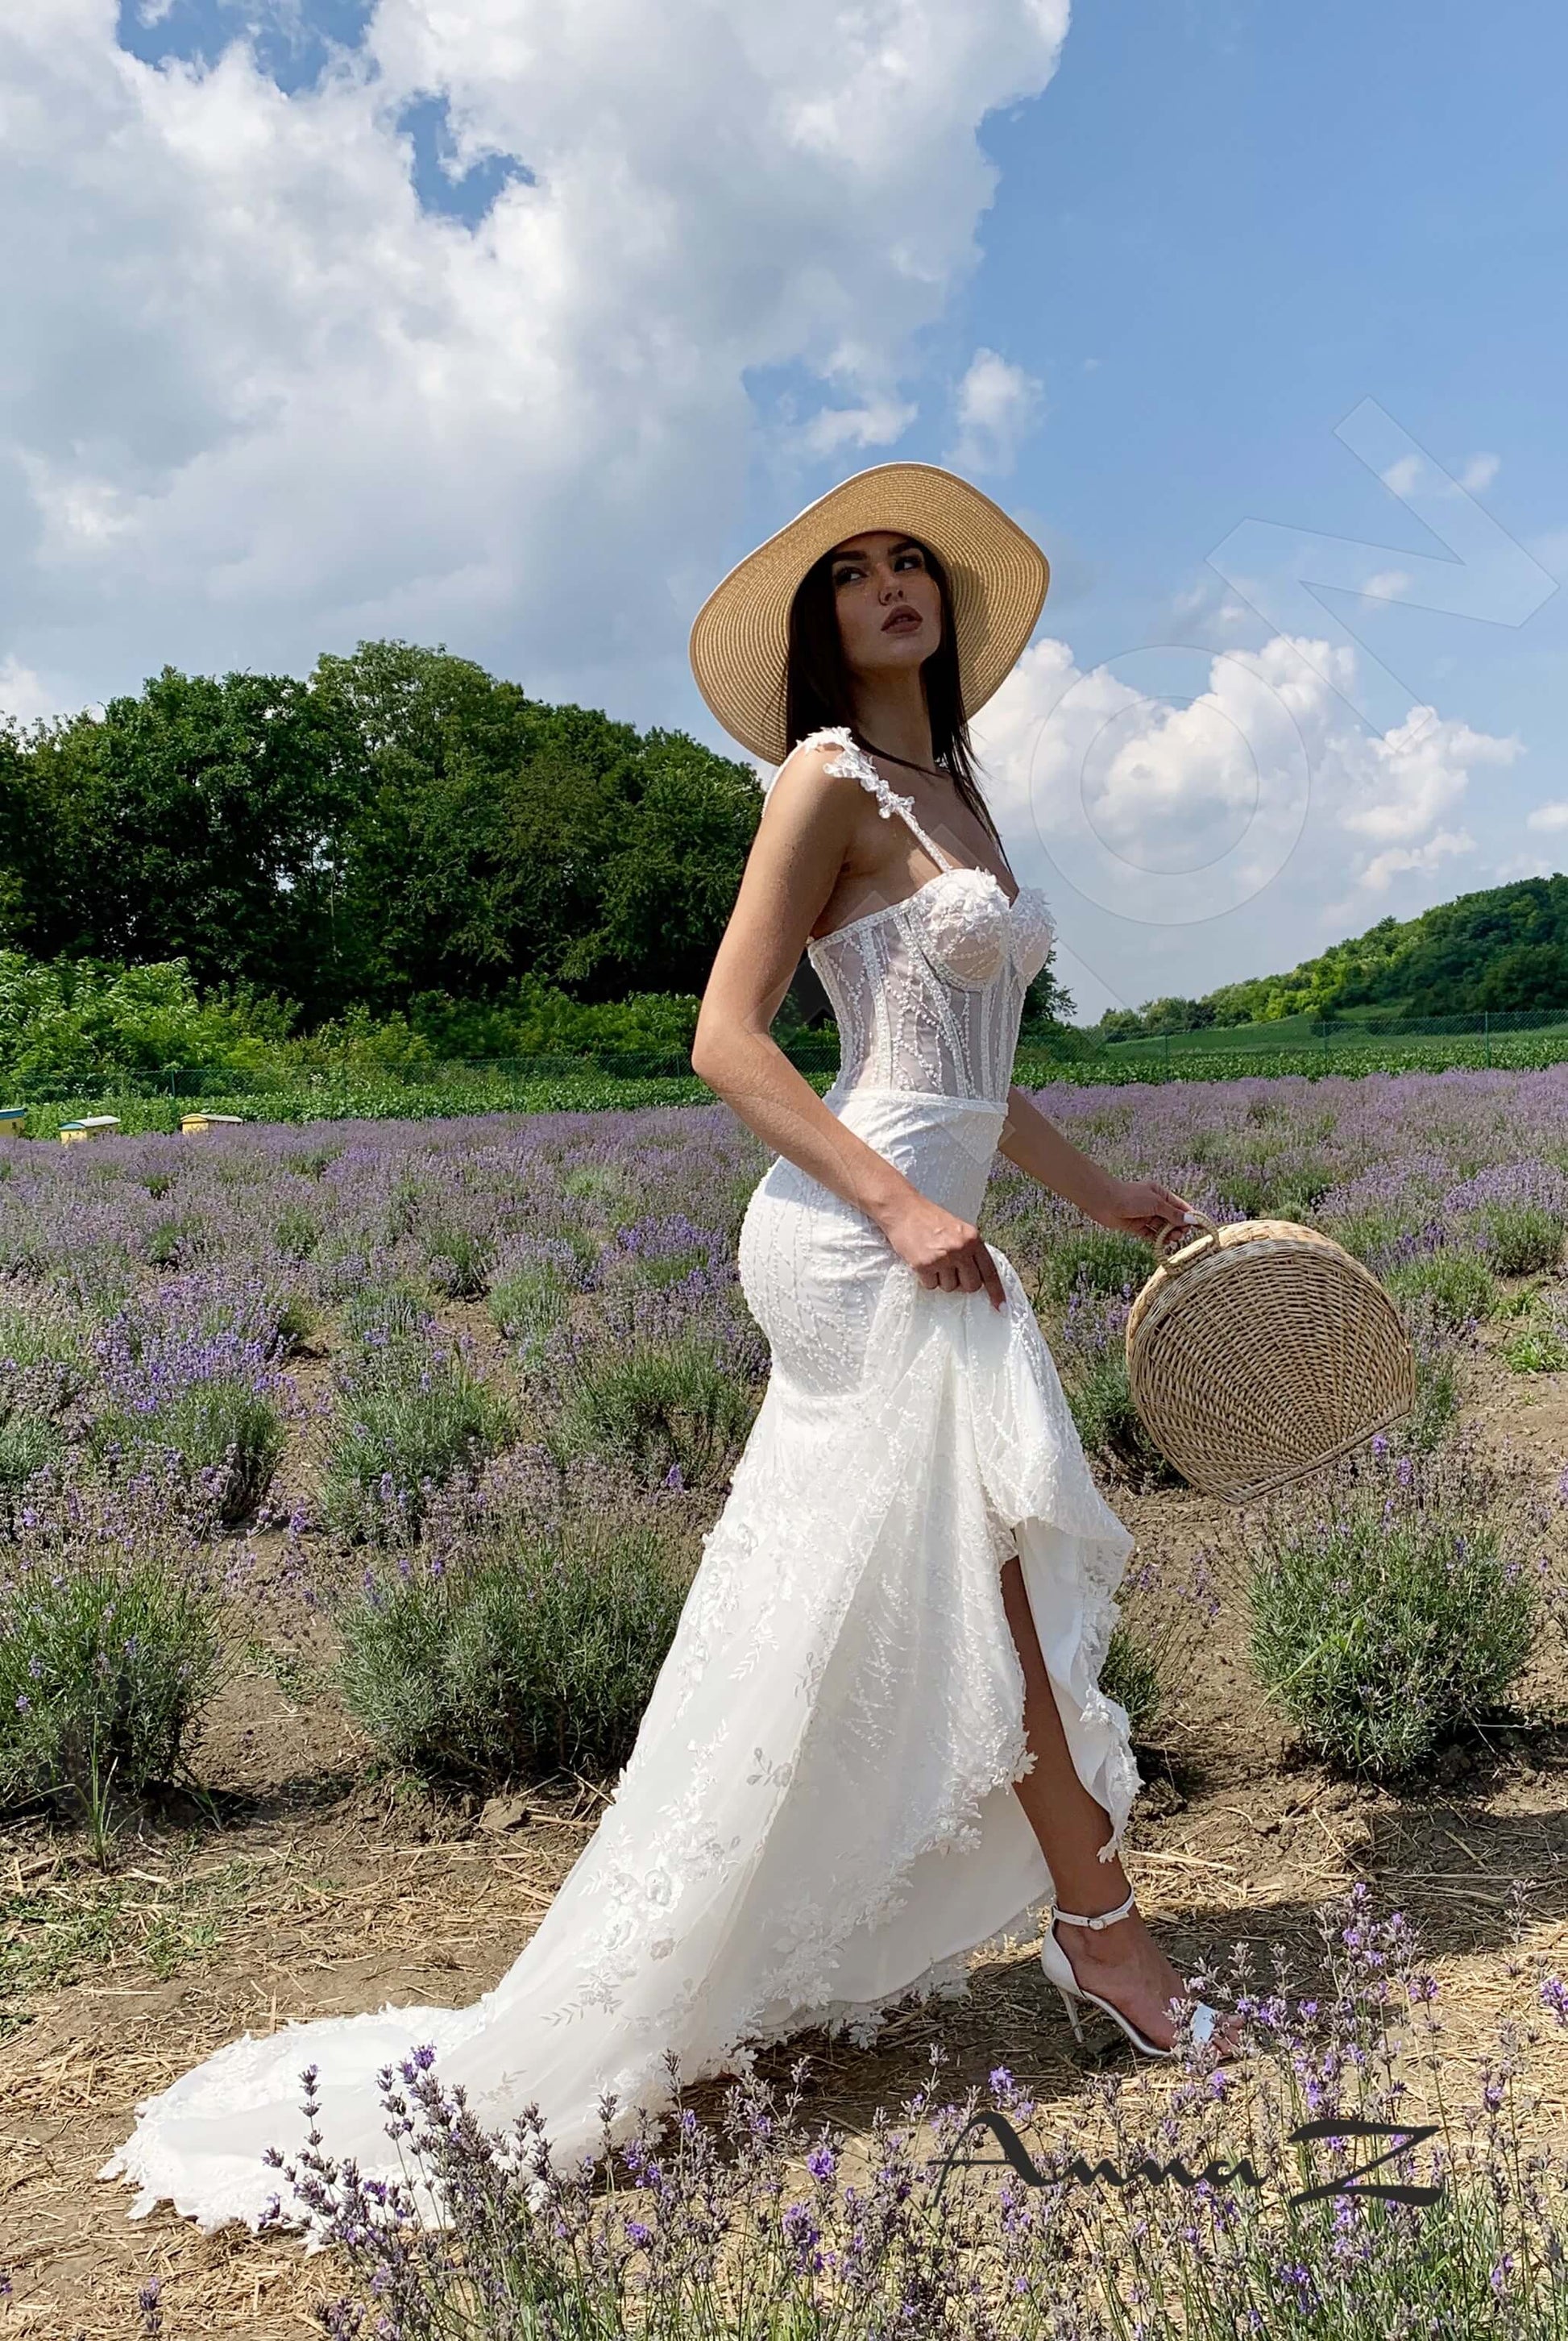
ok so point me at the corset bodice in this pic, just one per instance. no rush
(928, 992)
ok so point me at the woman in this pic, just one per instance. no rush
(877, 1744)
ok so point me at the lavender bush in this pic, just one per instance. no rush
(1091, 1349)
(1458, 1287)
(459, 1261)
(412, 1413)
(1393, 1600)
(533, 1290)
(1437, 1345)
(29, 1444)
(518, 1648)
(1521, 1239)
(155, 1291)
(44, 1349)
(193, 1371)
(111, 1636)
(1095, 1260)
(1145, 1660)
(665, 1378)
(384, 1310)
(1193, 2212)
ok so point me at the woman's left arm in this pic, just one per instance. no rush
(1136, 1207)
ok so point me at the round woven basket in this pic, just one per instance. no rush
(1257, 1351)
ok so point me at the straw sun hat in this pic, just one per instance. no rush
(998, 576)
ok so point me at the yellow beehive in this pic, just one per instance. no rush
(12, 1121)
(92, 1125)
(192, 1122)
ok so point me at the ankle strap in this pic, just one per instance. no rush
(1105, 1917)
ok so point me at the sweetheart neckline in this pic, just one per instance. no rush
(959, 870)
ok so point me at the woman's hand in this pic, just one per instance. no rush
(944, 1251)
(1141, 1207)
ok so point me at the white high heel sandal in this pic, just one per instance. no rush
(1058, 1969)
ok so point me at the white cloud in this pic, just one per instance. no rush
(1206, 604)
(997, 405)
(1405, 780)
(1186, 842)
(23, 695)
(1479, 472)
(1388, 584)
(1474, 474)
(1396, 860)
(255, 402)
(876, 425)
(1550, 816)
(1403, 474)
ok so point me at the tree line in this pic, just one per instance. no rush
(1500, 947)
(399, 830)
(399, 822)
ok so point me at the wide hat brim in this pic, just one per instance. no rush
(999, 579)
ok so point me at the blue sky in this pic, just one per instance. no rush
(514, 333)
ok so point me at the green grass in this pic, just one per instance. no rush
(57, 1930)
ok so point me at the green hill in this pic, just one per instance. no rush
(1504, 947)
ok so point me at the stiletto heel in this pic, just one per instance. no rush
(1059, 1969)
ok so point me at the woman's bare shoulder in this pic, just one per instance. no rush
(816, 771)
(826, 753)
(816, 803)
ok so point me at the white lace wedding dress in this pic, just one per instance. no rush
(818, 1819)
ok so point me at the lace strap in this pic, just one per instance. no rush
(853, 760)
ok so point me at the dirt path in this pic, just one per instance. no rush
(319, 1893)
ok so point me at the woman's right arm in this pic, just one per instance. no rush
(808, 822)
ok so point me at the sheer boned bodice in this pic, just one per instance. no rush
(929, 991)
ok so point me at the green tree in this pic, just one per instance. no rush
(29, 875)
(195, 823)
(670, 879)
(1176, 1015)
(1048, 1000)
(1526, 975)
(423, 881)
(73, 1019)
(496, 836)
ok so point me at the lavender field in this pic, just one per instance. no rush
(350, 1478)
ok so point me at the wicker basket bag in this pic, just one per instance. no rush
(1257, 1351)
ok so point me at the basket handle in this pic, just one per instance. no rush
(1175, 1245)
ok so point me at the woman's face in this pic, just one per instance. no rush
(889, 604)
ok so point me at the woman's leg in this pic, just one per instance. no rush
(1122, 1962)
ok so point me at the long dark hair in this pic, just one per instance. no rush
(818, 692)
